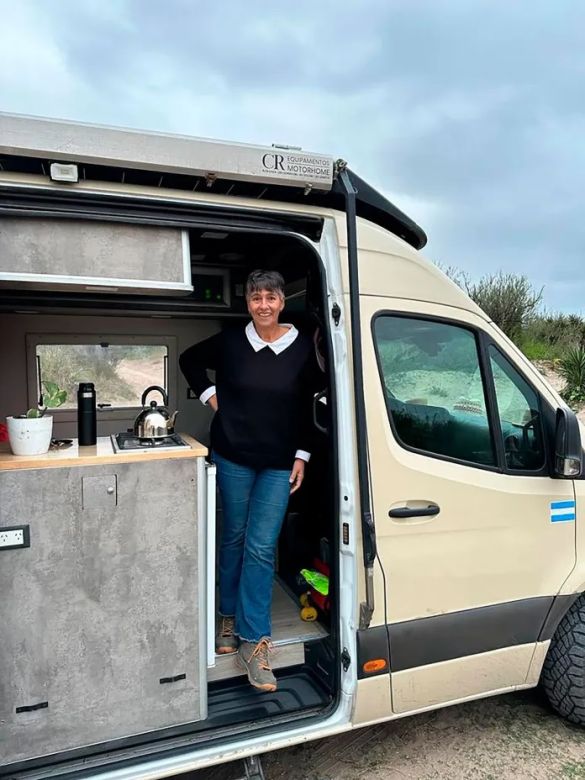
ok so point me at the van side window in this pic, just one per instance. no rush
(434, 388)
(519, 413)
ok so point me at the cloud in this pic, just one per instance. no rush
(468, 112)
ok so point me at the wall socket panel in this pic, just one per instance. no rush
(14, 537)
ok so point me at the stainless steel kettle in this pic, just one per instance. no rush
(154, 421)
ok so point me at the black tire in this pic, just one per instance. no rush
(563, 673)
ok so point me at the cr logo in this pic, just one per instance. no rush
(275, 161)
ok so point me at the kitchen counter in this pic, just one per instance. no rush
(102, 452)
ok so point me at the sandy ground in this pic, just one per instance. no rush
(514, 736)
(547, 370)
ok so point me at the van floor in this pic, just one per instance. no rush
(299, 648)
(290, 635)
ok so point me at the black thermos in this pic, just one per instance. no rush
(86, 415)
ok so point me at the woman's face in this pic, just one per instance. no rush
(264, 307)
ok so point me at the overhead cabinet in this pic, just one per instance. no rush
(65, 254)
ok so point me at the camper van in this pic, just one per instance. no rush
(442, 505)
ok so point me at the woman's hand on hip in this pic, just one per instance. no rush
(212, 402)
(297, 475)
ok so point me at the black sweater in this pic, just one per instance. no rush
(264, 400)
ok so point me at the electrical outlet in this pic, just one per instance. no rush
(13, 537)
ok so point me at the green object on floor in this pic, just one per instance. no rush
(318, 581)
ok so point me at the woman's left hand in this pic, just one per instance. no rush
(297, 475)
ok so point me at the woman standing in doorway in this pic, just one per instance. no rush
(266, 375)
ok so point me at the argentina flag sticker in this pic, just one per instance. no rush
(562, 511)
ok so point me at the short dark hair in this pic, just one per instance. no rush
(264, 280)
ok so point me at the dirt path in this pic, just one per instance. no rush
(504, 738)
(139, 374)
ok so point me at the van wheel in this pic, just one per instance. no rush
(563, 673)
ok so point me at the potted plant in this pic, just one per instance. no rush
(30, 433)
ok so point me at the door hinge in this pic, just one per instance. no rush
(336, 313)
(345, 659)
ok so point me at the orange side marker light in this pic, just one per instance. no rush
(375, 665)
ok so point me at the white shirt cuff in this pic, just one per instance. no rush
(303, 455)
(207, 394)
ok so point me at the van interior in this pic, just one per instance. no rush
(125, 342)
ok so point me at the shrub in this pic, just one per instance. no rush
(67, 366)
(548, 336)
(572, 369)
(558, 329)
(535, 349)
(509, 300)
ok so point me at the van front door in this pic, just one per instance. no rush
(474, 537)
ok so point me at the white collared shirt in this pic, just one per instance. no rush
(277, 346)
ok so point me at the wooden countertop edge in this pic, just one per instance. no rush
(89, 456)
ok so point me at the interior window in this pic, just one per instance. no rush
(120, 372)
(519, 413)
(434, 388)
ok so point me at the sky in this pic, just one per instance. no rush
(468, 114)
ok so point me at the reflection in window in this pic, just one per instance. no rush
(434, 388)
(519, 414)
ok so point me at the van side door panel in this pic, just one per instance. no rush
(474, 537)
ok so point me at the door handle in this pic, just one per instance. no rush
(316, 401)
(404, 512)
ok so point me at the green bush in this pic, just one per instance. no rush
(572, 369)
(509, 300)
(512, 303)
(549, 336)
(567, 329)
(535, 349)
(67, 366)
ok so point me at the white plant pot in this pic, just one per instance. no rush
(29, 435)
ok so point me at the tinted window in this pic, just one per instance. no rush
(519, 413)
(434, 388)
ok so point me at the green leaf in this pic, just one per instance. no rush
(51, 387)
(34, 413)
(56, 400)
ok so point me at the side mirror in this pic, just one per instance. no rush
(568, 461)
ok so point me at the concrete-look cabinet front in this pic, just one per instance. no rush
(51, 253)
(100, 629)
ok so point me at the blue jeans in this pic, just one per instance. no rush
(254, 504)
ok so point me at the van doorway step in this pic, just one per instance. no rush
(289, 636)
